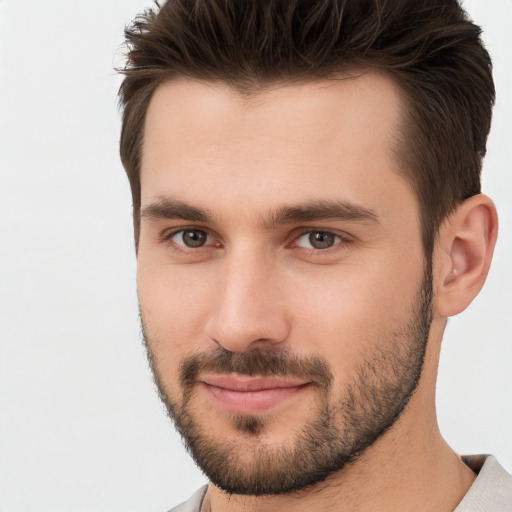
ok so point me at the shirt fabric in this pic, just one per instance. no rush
(490, 492)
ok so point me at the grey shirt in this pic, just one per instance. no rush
(490, 492)
(492, 489)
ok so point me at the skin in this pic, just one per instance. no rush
(243, 158)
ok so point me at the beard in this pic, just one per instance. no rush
(338, 431)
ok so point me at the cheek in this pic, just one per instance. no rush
(346, 312)
(174, 303)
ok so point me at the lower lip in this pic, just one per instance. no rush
(252, 402)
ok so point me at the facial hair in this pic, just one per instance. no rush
(337, 433)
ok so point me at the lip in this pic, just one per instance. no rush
(251, 395)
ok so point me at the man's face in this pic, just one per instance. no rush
(283, 288)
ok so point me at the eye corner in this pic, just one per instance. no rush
(329, 243)
(318, 239)
(189, 239)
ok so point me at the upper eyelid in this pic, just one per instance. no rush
(169, 232)
(342, 234)
(299, 231)
(343, 239)
(172, 232)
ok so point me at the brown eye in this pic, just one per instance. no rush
(318, 240)
(192, 238)
(321, 240)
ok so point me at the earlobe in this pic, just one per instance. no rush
(464, 253)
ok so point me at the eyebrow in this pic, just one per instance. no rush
(168, 208)
(321, 210)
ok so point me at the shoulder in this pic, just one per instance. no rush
(194, 503)
(492, 489)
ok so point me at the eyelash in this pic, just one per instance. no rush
(167, 238)
(342, 240)
(318, 232)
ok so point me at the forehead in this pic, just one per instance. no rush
(330, 139)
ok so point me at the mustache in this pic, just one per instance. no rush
(256, 362)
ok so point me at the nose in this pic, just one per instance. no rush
(250, 307)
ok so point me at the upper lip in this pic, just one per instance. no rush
(245, 383)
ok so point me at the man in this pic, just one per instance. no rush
(307, 211)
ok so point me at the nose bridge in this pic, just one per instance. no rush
(249, 308)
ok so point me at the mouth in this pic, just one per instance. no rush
(251, 395)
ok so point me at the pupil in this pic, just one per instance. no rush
(194, 238)
(321, 240)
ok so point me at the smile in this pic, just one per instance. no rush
(251, 395)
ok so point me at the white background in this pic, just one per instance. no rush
(81, 427)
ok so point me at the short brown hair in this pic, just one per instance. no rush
(430, 47)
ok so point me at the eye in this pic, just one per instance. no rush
(318, 240)
(192, 238)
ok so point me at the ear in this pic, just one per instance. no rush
(463, 254)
